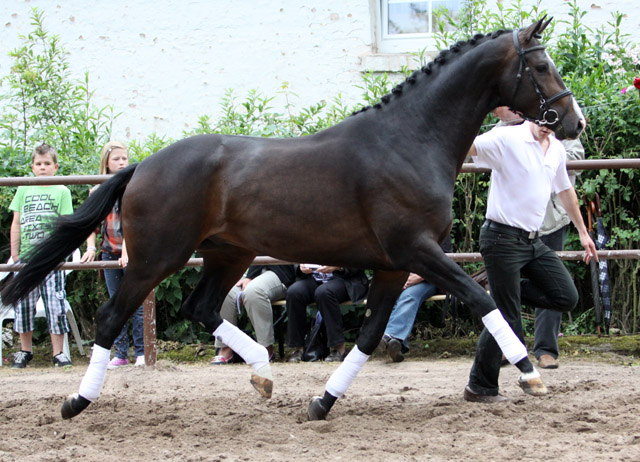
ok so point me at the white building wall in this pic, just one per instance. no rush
(164, 63)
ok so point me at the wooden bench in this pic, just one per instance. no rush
(433, 298)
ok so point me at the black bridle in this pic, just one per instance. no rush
(547, 115)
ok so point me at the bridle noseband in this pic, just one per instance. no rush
(547, 115)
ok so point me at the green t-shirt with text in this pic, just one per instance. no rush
(38, 206)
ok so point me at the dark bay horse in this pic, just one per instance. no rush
(375, 191)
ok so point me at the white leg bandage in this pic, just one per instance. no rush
(341, 379)
(253, 354)
(509, 343)
(93, 379)
(529, 375)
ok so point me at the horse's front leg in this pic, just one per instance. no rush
(383, 293)
(434, 266)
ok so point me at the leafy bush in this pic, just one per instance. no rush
(596, 65)
(45, 105)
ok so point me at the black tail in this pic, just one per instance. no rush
(69, 233)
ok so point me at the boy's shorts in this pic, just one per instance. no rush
(53, 297)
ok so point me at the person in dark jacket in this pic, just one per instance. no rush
(328, 287)
(255, 292)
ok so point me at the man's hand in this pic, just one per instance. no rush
(569, 201)
(243, 283)
(589, 247)
(304, 269)
(412, 280)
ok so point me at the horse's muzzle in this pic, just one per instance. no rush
(570, 130)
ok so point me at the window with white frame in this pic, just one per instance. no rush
(407, 26)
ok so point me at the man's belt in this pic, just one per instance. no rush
(500, 227)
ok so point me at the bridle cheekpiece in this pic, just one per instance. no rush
(547, 115)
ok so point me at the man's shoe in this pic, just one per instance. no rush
(548, 362)
(117, 362)
(21, 359)
(335, 356)
(296, 356)
(484, 399)
(61, 360)
(394, 348)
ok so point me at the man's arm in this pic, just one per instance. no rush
(574, 148)
(472, 151)
(575, 151)
(569, 201)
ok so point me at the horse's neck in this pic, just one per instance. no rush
(449, 105)
(466, 91)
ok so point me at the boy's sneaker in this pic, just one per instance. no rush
(140, 361)
(117, 362)
(21, 359)
(61, 360)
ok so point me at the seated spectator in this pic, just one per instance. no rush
(327, 286)
(415, 291)
(255, 292)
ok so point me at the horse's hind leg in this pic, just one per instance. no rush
(136, 284)
(385, 289)
(138, 281)
(221, 269)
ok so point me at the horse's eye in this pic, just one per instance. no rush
(542, 68)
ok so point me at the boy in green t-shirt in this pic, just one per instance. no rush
(34, 207)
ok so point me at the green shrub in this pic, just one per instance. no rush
(596, 65)
(44, 104)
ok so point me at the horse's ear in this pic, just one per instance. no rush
(535, 30)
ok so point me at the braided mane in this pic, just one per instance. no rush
(443, 57)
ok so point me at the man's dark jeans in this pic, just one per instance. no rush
(547, 284)
(548, 322)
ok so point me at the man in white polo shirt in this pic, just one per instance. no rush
(527, 166)
(552, 233)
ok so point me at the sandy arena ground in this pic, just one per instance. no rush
(411, 411)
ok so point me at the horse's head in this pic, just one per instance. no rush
(537, 91)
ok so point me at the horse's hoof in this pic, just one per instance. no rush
(533, 386)
(74, 405)
(263, 385)
(316, 411)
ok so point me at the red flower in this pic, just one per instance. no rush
(636, 82)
